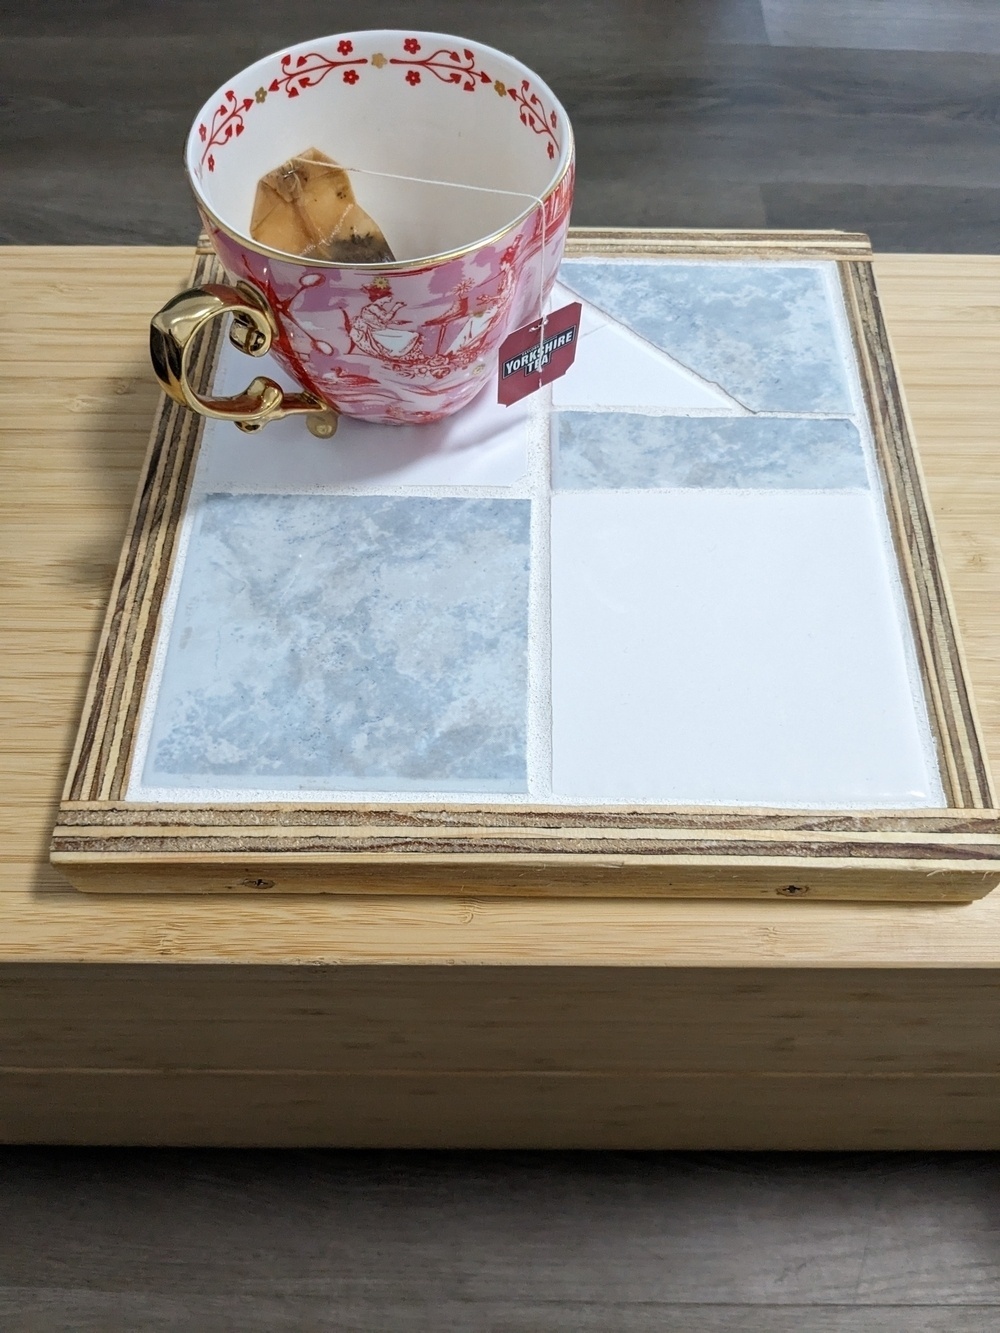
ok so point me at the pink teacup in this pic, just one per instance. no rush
(410, 341)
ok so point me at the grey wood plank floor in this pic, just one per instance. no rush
(877, 115)
(380, 1242)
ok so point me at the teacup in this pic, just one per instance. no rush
(409, 341)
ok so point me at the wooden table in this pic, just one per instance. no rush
(439, 1022)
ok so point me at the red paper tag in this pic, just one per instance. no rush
(531, 356)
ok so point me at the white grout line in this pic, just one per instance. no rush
(539, 729)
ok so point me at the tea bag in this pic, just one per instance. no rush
(307, 207)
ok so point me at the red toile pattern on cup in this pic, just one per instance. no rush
(406, 346)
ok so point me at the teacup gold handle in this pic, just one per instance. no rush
(171, 345)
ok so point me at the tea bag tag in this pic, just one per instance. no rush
(534, 355)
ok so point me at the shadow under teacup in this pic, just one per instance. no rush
(465, 160)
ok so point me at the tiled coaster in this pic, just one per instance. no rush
(667, 580)
(677, 626)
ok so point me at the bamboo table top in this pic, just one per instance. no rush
(76, 401)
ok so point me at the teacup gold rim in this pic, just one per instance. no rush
(396, 266)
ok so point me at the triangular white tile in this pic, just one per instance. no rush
(613, 368)
(590, 319)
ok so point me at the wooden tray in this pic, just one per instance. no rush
(119, 831)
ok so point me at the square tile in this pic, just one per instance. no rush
(764, 333)
(348, 642)
(732, 648)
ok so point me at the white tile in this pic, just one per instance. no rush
(483, 445)
(590, 317)
(615, 369)
(731, 647)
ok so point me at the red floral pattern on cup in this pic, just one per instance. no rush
(533, 114)
(461, 68)
(446, 65)
(308, 71)
(227, 123)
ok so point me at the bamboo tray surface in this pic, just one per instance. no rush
(678, 628)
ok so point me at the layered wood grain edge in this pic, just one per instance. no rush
(722, 244)
(964, 768)
(104, 843)
(99, 763)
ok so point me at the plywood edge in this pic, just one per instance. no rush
(318, 814)
(102, 747)
(932, 857)
(539, 876)
(962, 755)
(721, 242)
(521, 844)
(398, 830)
(82, 756)
(974, 744)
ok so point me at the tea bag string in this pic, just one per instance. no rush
(480, 189)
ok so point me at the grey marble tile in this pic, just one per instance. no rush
(763, 332)
(612, 450)
(348, 642)
(890, 25)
